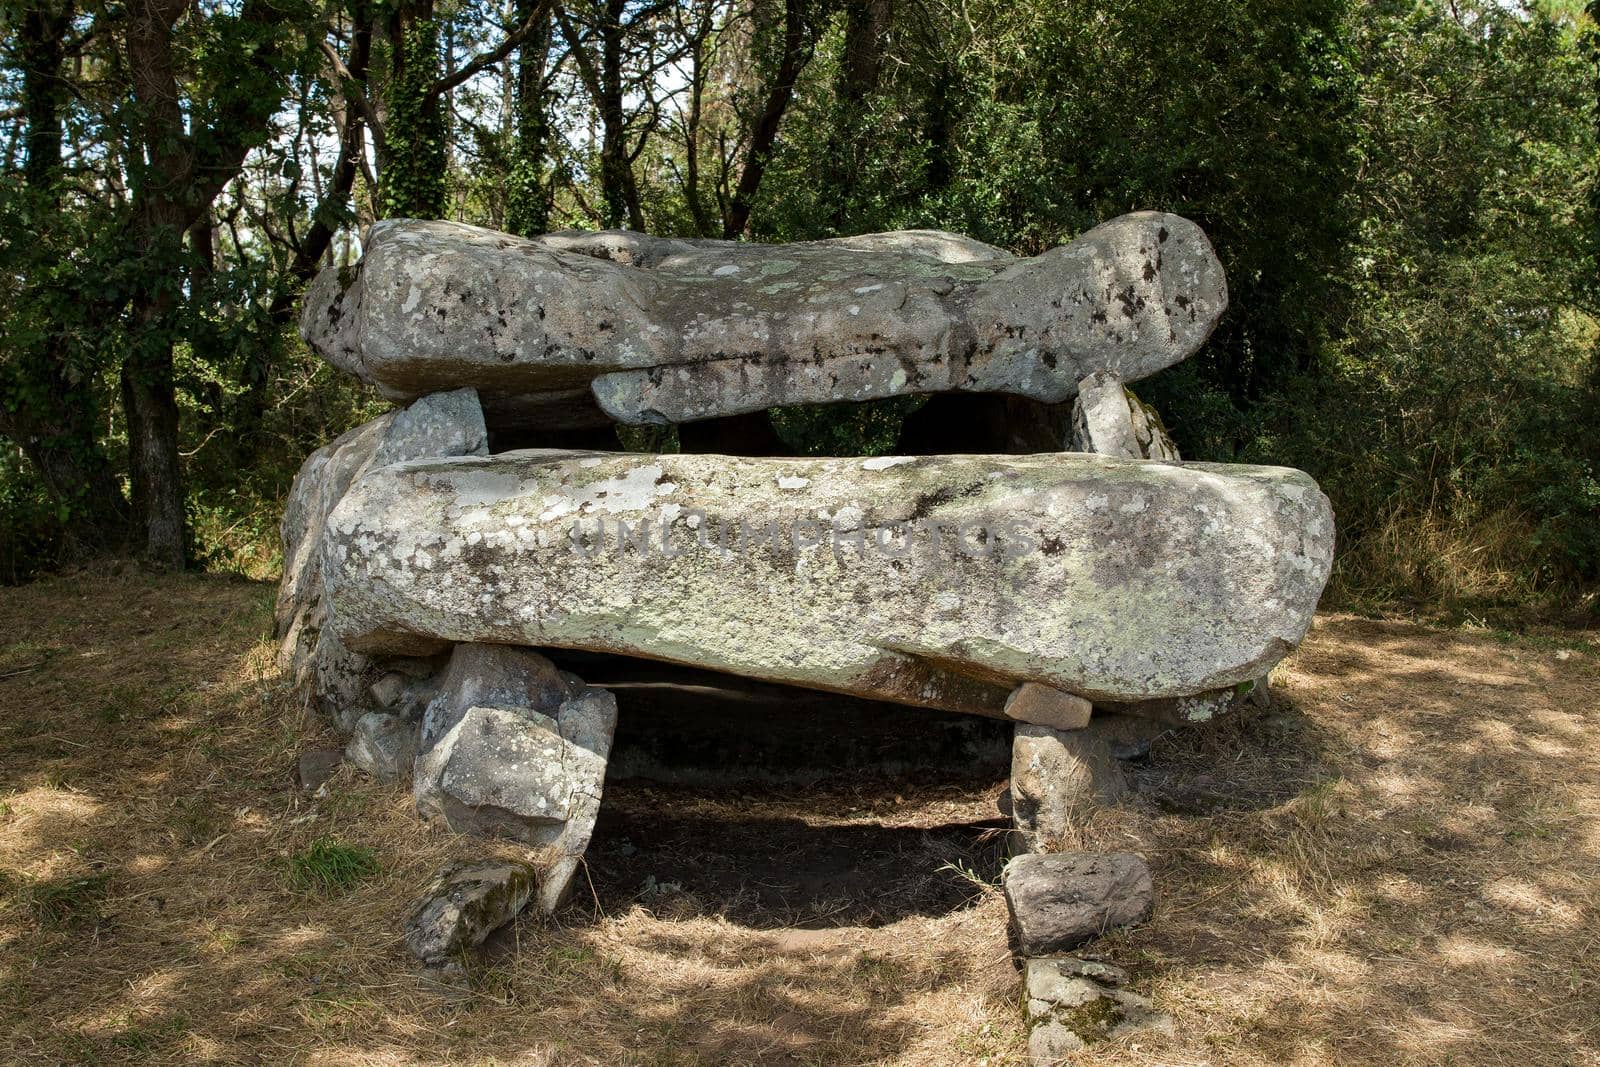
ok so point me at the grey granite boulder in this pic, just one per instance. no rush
(1110, 421)
(383, 746)
(444, 424)
(1058, 776)
(935, 581)
(463, 906)
(512, 747)
(671, 331)
(1061, 901)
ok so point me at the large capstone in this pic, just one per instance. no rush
(936, 581)
(666, 331)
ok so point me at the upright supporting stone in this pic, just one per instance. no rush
(1057, 775)
(513, 747)
(1110, 421)
(1261, 692)
(335, 678)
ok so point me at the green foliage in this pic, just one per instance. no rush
(329, 866)
(1462, 364)
(1405, 194)
(65, 902)
(867, 429)
(414, 179)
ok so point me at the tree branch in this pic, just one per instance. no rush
(484, 60)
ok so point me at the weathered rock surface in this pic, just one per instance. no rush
(634, 249)
(1073, 1003)
(1058, 776)
(1193, 708)
(1110, 421)
(445, 424)
(513, 747)
(383, 746)
(315, 766)
(463, 906)
(1045, 976)
(1061, 901)
(674, 331)
(936, 581)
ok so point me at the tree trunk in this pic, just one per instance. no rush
(413, 171)
(41, 51)
(152, 410)
(614, 169)
(183, 170)
(691, 139)
(528, 209)
(797, 48)
(54, 417)
(866, 26)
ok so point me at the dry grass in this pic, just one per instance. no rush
(1452, 559)
(1399, 865)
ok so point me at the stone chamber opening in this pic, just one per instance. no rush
(774, 806)
(778, 806)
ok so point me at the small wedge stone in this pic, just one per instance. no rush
(1045, 705)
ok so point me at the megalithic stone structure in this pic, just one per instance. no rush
(1095, 598)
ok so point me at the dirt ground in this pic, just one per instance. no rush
(1399, 864)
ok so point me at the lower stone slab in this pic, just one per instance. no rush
(936, 581)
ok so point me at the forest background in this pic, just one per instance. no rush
(1404, 194)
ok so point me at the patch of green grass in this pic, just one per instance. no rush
(120, 702)
(26, 657)
(330, 866)
(143, 1040)
(65, 902)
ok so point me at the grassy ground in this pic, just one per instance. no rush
(1400, 864)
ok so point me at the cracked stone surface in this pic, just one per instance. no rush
(445, 424)
(513, 747)
(1074, 1003)
(1062, 900)
(1115, 580)
(577, 328)
(463, 906)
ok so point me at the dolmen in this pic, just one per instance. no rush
(1091, 593)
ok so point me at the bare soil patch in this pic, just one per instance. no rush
(1400, 864)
